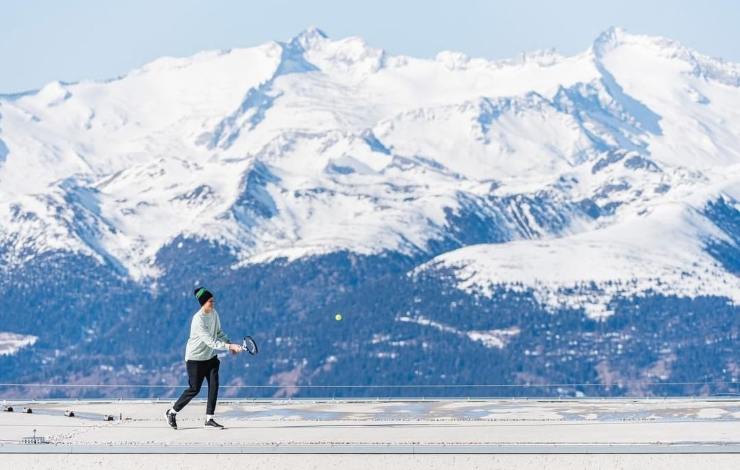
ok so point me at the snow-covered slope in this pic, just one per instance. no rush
(658, 252)
(10, 343)
(595, 167)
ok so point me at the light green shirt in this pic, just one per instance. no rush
(206, 336)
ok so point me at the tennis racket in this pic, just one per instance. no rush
(250, 345)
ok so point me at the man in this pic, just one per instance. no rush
(201, 360)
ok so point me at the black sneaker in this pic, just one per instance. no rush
(212, 424)
(171, 419)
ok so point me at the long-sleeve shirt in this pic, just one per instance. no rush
(206, 336)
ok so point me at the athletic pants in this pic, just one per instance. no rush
(197, 371)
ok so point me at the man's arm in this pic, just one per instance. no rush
(202, 334)
(221, 336)
(220, 333)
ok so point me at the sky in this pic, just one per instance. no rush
(72, 40)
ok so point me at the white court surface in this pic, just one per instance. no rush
(672, 434)
(357, 426)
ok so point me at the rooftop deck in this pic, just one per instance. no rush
(377, 432)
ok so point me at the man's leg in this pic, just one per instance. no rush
(212, 379)
(195, 381)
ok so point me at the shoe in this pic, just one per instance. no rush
(171, 419)
(212, 424)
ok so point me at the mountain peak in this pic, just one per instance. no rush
(700, 65)
(609, 39)
(53, 93)
(614, 37)
(309, 37)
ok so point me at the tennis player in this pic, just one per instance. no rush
(201, 361)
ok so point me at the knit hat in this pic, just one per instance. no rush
(202, 294)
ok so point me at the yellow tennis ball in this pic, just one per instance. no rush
(338, 317)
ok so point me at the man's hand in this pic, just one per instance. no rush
(235, 348)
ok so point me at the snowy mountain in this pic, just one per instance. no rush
(608, 175)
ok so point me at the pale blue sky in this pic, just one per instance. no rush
(41, 41)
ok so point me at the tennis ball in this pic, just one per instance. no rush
(338, 317)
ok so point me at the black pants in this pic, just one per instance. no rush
(197, 371)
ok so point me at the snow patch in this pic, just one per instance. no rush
(10, 343)
(496, 338)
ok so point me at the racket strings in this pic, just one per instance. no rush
(249, 345)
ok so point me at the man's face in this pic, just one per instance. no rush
(208, 306)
